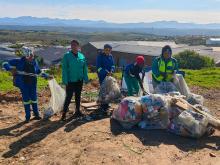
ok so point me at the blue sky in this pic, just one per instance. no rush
(200, 11)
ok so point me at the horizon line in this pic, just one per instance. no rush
(68, 19)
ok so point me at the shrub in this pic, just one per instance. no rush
(192, 60)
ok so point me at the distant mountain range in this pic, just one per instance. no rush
(34, 21)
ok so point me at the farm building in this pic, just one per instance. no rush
(125, 52)
(51, 55)
(213, 41)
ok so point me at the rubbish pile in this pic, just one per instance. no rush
(173, 113)
(129, 112)
(155, 114)
(189, 123)
(57, 99)
(109, 91)
(165, 87)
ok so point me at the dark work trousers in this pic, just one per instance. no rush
(70, 88)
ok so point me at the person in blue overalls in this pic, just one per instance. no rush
(105, 67)
(24, 71)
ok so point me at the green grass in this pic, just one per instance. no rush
(6, 83)
(206, 78)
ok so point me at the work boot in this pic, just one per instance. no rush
(37, 118)
(77, 114)
(63, 118)
(27, 121)
(104, 109)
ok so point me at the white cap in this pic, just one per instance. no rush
(26, 51)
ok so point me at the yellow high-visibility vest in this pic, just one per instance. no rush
(165, 68)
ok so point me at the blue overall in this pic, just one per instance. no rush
(26, 84)
(104, 65)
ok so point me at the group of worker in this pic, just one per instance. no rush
(75, 73)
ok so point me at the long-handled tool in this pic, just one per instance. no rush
(27, 74)
(23, 73)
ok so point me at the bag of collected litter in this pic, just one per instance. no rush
(165, 88)
(155, 113)
(181, 85)
(195, 99)
(57, 99)
(183, 88)
(151, 104)
(190, 124)
(174, 112)
(129, 112)
(109, 91)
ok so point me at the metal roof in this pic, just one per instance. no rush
(149, 48)
(51, 54)
(214, 39)
(154, 48)
(6, 53)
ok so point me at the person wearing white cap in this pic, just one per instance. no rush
(24, 71)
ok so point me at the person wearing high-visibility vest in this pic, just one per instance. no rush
(24, 70)
(164, 67)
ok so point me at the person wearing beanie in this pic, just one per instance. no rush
(74, 73)
(105, 67)
(24, 71)
(132, 76)
(164, 67)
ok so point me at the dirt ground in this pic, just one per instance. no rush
(98, 142)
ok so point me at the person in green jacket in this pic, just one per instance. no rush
(74, 72)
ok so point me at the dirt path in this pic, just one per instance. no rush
(100, 142)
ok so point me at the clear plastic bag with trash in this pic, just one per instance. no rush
(155, 112)
(183, 88)
(189, 124)
(165, 88)
(129, 112)
(195, 99)
(109, 91)
(151, 104)
(181, 84)
(57, 99)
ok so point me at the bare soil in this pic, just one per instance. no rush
(98, 142)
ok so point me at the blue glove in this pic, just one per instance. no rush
(6, 66)
(45, 75)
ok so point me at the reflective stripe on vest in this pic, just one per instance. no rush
(99, 69)
(165, 68)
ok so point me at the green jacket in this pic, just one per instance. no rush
(74, 68)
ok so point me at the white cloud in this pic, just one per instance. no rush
(119, 16)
